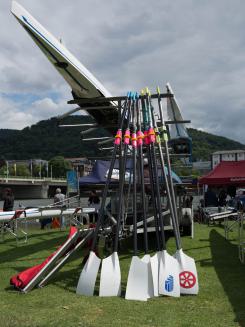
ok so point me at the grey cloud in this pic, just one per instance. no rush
(196, 45)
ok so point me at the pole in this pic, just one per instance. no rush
(31, 168)
(7, 163)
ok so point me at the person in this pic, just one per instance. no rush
(8, 204)
(94, 202)
(8, 198)
(210, 198)
(59, 200)
(222, 197)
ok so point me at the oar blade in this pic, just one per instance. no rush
(88, 275)
(155, 272)
(188, 273)
(110, 276)
(147, 260)
(137, 284)
(168, 275)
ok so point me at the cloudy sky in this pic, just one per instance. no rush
(197, 46)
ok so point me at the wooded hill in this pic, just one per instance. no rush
(46, 139)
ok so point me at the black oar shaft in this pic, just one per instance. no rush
(108, 180)
(169, 182)
(134, 146)
(122, 178)
(141, 166)
(153, 198)
(150, 168)
(155, 168)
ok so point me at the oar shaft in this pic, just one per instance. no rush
(134, 145)
(150, 168)
(153, 198)
(122, 177)
(108, 180)
(141, 166)
(170, 189)
(155, 168)
(158, 142)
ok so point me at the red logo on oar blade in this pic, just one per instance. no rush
(187, 279)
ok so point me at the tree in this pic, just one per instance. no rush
(59, 166)
(22, 170)
(3, 170)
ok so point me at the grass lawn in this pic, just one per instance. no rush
(221, 301)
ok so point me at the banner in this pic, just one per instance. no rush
(72, 183)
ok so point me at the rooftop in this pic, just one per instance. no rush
(228, 151)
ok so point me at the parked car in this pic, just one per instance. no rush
(237, 203)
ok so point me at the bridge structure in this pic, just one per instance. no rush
(32, 187)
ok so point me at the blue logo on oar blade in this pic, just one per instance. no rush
(169, 283)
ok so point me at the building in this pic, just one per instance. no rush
(202, 166)
(82, 165)
(227, 155)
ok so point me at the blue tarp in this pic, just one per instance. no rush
(99, 172)
(101, 167)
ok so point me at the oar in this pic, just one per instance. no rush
(188, 272)
(168, 281)
(154, 260)
(110, 277)
(139, 277)
(146, 258)
(89, 273)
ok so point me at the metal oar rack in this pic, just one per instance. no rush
(137, 136)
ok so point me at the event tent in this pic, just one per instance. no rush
(226, 173)
(100, 169)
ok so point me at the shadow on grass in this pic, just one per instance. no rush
(230, 271)
(15, 253)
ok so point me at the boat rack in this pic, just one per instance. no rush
(18, 228)
(106, 105)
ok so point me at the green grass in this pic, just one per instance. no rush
(221, 301)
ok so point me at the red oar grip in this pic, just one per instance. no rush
(146, 139)
(134, 140)
(151, 135)
(118, 137)
(140, 138)
(127, 137)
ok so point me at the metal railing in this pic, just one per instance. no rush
(31, 178)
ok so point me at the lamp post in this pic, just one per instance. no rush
(7, 164)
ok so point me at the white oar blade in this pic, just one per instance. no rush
(88, 275)
(110, 276)
(137, 284)
(168, 275)
(155, 272)
(188, 274)
(147, 260)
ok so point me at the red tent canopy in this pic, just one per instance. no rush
(226, 173)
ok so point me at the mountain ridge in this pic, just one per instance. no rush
(46, 139)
